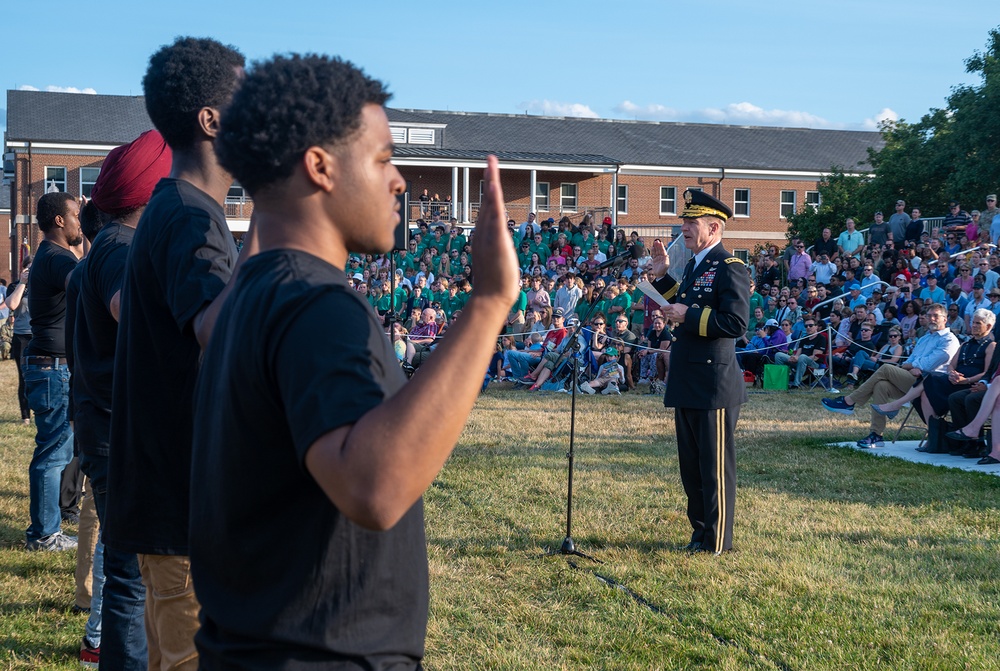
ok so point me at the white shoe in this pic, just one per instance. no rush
(586, 388)
(611, 389)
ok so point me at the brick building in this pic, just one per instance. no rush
(634, 172)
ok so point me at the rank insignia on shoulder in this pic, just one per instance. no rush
(733, 259)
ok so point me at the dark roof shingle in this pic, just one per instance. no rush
(653, 143)
(43, 116)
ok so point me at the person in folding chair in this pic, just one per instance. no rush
(973, 362)
(710, 306)
(931, 353)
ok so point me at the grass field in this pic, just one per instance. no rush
(843, 561)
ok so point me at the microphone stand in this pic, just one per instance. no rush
(568, 546)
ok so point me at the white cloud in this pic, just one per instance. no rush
(556, 108)
(58, 89)
(745, 112)
(653, 112)
(741, 113)
(885, 115)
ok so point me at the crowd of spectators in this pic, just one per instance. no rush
(871, 292)
(867, 288)
(422, 289)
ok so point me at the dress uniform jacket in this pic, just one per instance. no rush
(704, 373)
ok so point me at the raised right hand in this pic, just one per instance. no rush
(493, 257)
(660, 261)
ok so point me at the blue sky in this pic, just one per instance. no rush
(843, 64)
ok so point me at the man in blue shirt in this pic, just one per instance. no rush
(931, 353)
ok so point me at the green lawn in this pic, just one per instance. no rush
(844, 560)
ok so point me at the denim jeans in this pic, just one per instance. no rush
(48, 395)
(521, 363)
(123, 628)
(93, 627)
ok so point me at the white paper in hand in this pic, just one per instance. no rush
(648, 289)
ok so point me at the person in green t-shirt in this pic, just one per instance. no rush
(524, 254)
(621, 304)
(456, 238)
(515, 319)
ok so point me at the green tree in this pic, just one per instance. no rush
(949, 153)
(842, 195)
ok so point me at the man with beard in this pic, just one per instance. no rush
(46, 374)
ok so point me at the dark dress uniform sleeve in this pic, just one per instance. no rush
(704, 370)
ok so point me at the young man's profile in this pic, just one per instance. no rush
(300, 391)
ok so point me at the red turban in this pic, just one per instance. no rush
(130, 172)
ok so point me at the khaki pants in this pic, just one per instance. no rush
(86, 542)
(171, 612)
(887, 384)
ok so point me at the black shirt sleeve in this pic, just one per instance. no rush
(194, 266)
(328, 382)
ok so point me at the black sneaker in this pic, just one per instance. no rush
(838, 405)
(872, 440)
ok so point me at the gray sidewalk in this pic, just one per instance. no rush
(907, 449)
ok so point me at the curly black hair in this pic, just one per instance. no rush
(184, 77)
(286, 105)
(50, 206)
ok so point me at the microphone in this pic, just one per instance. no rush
(633, 252)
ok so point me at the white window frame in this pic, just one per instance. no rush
(420, 136)
(783, 204)
(568, 203)
(819, 200)
(88, 182)
(58, 182)
(542, 202)
(233, 197)
(737, 203)
(672, 200)
(621, 199)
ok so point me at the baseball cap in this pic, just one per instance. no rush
(558, 312)
(771, 322)
(611, 351)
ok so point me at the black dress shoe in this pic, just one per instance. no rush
(988, 461)
(960, 437)
(693, 546)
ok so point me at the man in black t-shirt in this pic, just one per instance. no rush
(127, 178)
(324, 564)
(181, 258)
(46, 374)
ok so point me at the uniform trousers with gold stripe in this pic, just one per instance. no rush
(707, 455)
